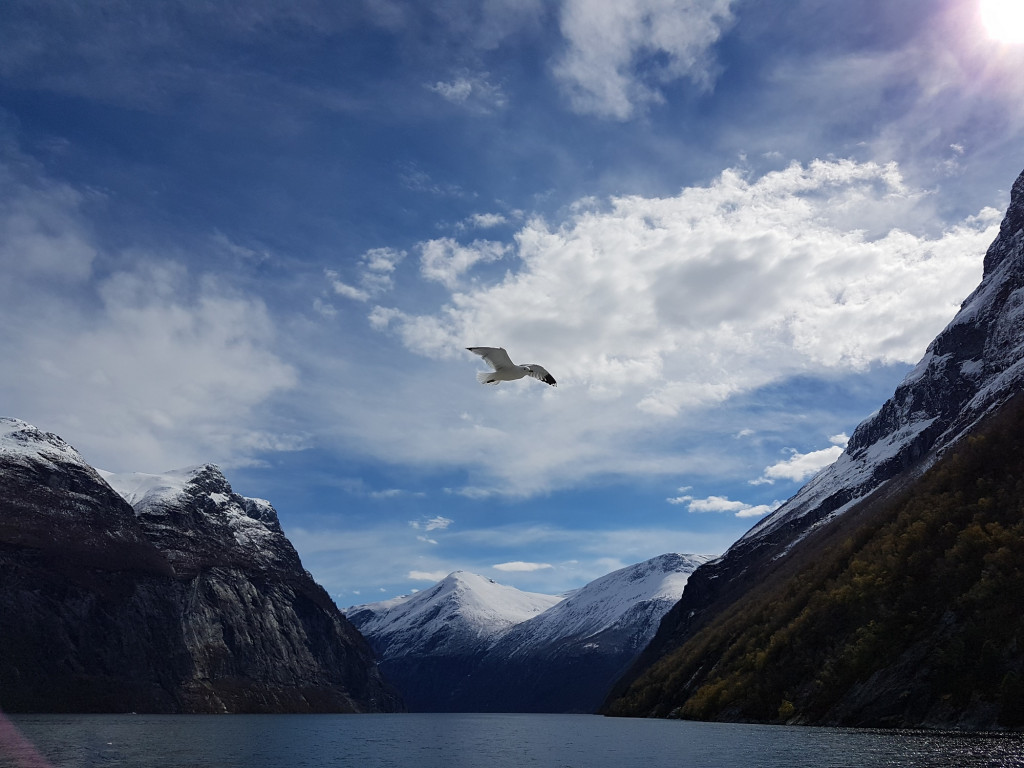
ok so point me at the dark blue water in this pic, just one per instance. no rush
(474, 741)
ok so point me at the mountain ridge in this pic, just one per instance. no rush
(969, 373)
(561, 655)
(194, 601)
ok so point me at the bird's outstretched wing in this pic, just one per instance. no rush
(496, 357)
(539, 372)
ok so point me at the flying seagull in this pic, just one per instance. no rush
(505, 369)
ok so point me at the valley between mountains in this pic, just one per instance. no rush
(883, 594)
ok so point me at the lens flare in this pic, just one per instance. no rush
(1003, 19)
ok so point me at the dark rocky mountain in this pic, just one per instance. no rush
(193, 601)
(857, 601)
(471, 645)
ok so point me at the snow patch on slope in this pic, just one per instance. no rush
(143, 487)
(633, 598)
(252, 522)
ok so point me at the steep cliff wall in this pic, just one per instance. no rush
(194, 602)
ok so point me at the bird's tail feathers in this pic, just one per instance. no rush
(484, 377)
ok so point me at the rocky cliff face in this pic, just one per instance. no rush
(969, 373)
(193, 601)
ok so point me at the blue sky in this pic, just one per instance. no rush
(262, 235)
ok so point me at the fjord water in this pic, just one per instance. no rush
(480, 741)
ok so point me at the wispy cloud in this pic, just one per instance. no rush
(374, 273)
(619, 53)
(426, 575)
(487, 220)
(154, 363)
(472, 91)
(446, 260)
(436, 523)
(521, 567)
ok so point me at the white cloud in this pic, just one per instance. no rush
(343, 557)
(141, 361)
(426, 575)
(43, 234)
(521, 567)
(324, 308)
(344, 289)
(800, 466)
(164, 374)
(619, 53)
(457, 91)
(436, 523)
(722, 504)
(483, 221)
(651, 312)
(759, 509)
(471, 90)
(374, 273)
(445, 260)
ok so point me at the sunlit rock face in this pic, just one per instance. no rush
(972, 369)
(193, 600)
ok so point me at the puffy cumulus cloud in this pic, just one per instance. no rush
(655, 313)
(618, 53)
(722, 504)
(676, 303)
(521, 567)
(800, 466)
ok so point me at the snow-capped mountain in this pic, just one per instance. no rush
(193, 601)
(971, 368)
(38, 468)
(429, 642)
(968, 377)
(461, 614)
(190, 512)
(22, 443)
(626, 604)
(470, 644)
(567, 658)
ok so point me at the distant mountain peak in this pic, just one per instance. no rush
(19, 439)
(469, 643)
(463, 608)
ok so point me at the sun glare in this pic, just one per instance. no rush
(1004, 19)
